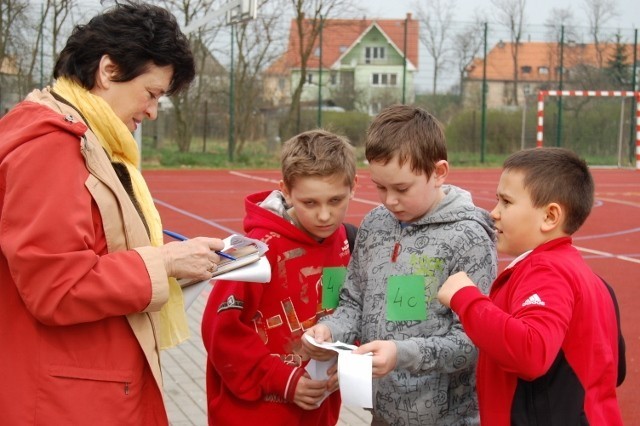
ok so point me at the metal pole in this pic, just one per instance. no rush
(204, 128)
(404, 63)
(560, 84)
(620, 131)
(231, 100)
(483, 136)
(42, 47)
(524, 122)
(319, 121)
(632, 124)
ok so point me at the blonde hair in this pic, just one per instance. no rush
(317, 153)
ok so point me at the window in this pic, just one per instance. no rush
(543, 70)
(334, 78)
(384, 79)
(525, 69)
(310, 78)
(374, 53)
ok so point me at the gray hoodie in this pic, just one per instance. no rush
(434, 380)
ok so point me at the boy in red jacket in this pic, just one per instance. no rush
(547, 334)
(255, 374)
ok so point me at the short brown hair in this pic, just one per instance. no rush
(317, 153)
(409, 132)
(134, 35)
(556, 175)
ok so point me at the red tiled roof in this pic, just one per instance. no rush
(539, 55)
(340, 34)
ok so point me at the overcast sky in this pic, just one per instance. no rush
(627, 18)
(628, 11)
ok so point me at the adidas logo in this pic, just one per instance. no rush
(534, 299)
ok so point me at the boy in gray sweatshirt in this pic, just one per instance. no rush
(425, 231)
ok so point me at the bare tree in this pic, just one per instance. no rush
(599, 12)
(436, 17)
(50, 26)
(559, 20)
(511, 15)
(560, 28)
(186, 104)
(257, 46)
(13, 38)
(308, 15)
(12, 14)
(466, 45)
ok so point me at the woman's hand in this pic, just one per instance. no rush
(194, 258)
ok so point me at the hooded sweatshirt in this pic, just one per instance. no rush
(433, 382)
(252, 331)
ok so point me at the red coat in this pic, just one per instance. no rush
(251, 331)
(77, 348)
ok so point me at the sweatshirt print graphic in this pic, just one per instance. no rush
(434, 381)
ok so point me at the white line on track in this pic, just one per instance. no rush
(194, 216)
(263, 179)
(583, 249)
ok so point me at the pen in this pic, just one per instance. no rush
(183, 238)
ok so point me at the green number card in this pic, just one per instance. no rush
(332, 280)
(406, 299)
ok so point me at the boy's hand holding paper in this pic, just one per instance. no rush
(354, 372)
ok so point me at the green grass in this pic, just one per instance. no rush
(215, 156)
(256, 156)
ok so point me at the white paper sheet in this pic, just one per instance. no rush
(355, 372)
(256, 272)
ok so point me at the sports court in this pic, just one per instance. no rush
(210, 203)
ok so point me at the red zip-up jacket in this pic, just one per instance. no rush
(251, 331)
(548, 342)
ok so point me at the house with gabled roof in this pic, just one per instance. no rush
(538, 69)
(360, 65)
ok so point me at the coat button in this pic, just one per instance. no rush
(69, 118)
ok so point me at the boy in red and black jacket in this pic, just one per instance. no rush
(547, 335)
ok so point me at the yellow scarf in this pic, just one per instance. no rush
(121, 146)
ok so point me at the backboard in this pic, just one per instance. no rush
(243, 10)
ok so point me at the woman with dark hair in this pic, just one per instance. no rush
(88, 290)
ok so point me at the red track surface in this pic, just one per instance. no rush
(210, 203)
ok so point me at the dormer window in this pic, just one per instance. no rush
(374, 54)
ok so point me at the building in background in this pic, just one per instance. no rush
(587, 66)
(363, 65)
